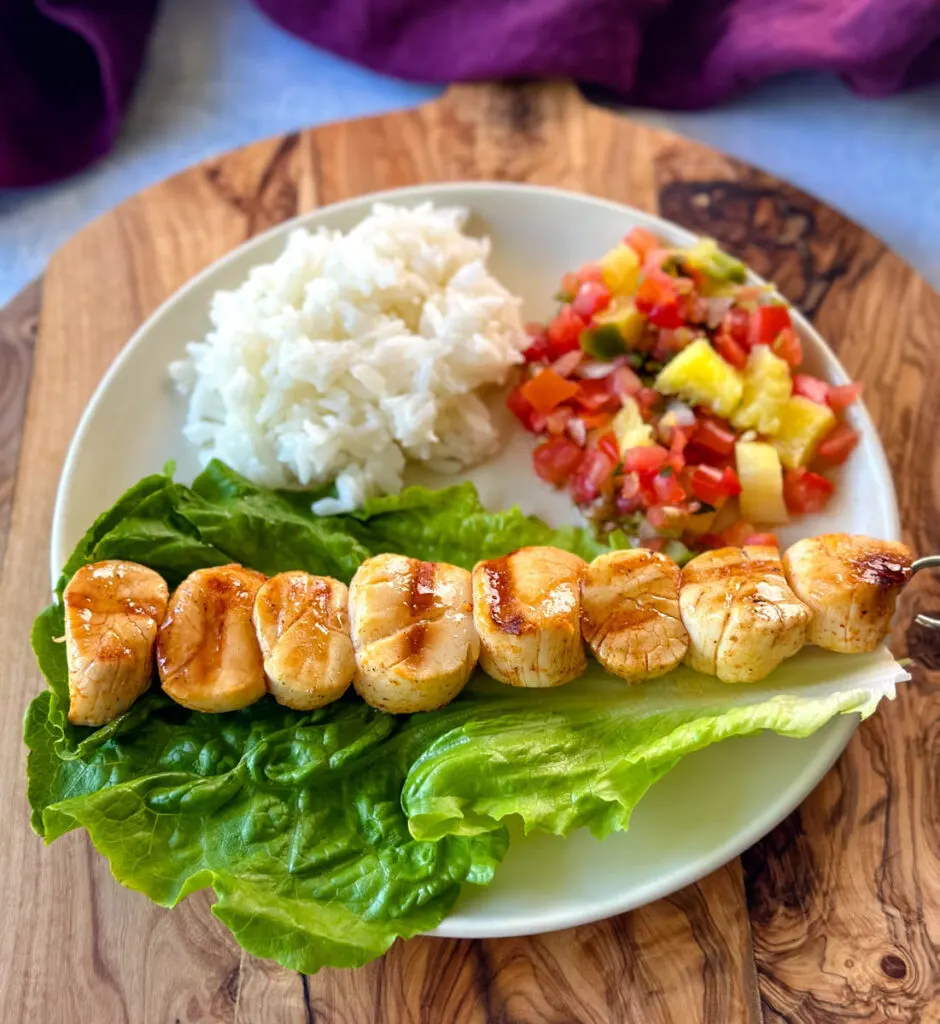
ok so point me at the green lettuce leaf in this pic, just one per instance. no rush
(328, 834)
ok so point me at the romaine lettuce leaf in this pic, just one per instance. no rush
(328, 834)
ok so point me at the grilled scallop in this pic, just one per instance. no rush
(630, 613)
(412, 631)
(112, 611)
(207, 651)
(851, 585)
(527, 610)
(303, 630)
(742, 618)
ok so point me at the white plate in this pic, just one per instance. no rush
(718, 801)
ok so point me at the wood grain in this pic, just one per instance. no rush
(843, 897)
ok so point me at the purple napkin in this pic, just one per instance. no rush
(68, 67)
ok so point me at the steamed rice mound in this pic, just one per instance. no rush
(352, 354)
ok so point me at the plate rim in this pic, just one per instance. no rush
(842, 729)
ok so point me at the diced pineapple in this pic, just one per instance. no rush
(767, 387)
(621, 269)
(629, 428)
(700, 376)
(761, 476)
(803, 424)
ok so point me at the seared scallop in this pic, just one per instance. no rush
(412, 630)
(851, 585)
(303, 629)
(207, 652)
(527, 610)
(112, 611)
(742, 618)
(630, 613)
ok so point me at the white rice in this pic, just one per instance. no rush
(350, 355)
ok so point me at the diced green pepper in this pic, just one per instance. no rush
(708, 259)
(615, 331)
(603, 341)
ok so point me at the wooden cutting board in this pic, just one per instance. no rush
(835, 916)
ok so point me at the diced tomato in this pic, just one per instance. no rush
(668, 488)
(564, 331)
(547, 389)
(623, 382)
(762, 540)
(842, 396)
(653, 543)
(590, 272)
(595, 395)
(714, 436)
(737, 533)
(592, 297)
(522, 409)
(538, 351)
(767, 322)
(789, 347)
(641, 241)
(710, 484)
(804, 491)
(556, 460)
(657, 517)
(654, 259)
(594, 470)
(557, 420)
(658, 300)
(628, 498)
(647, 399)
(736, 323)
(813, 388)
(607, 443)
(570, 283)
(837, 445)
(645, 459)
(730, 350)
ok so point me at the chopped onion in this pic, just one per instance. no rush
(717, 307)
(577, 431)
(596, 370)
(565, 365)
(682, 415)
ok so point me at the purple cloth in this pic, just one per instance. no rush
(68, 67)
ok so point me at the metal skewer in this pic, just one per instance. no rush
(927, 562)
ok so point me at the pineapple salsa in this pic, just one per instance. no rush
(669, 397)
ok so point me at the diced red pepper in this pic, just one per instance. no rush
(658, 300)
(646, 459)
(710, 484)
(564, 332)
(768, 540)
(607, 443)
(789, 347)
(592, 297)
(594, 420)
(767, 322)
(594, 470)
(837, 445)
(668, 488)
(804, 491)
(641, 241)
(813, 388)
(547, 389)
(556, 460)
(730, 350)
(714, 436)
(595, 395)
(842, 396)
